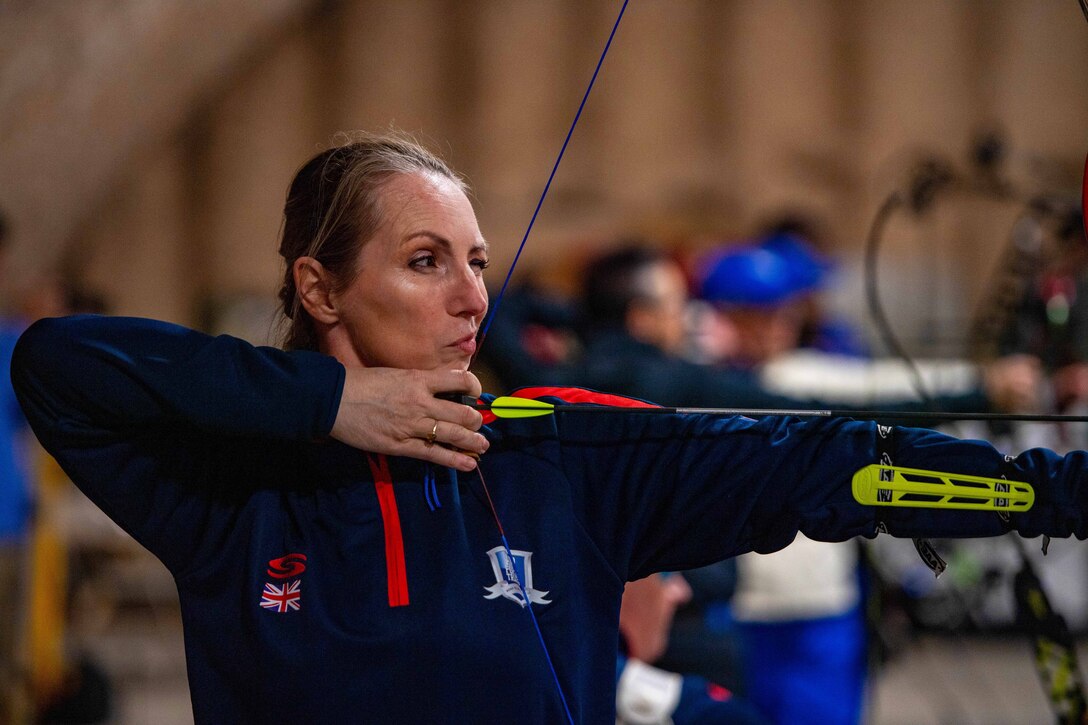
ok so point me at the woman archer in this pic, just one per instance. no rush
(335, 565)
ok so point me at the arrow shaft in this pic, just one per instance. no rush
(799, 413)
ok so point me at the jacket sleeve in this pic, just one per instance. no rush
(660, 492)
(157, 424)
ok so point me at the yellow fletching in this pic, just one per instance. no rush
(510, 407)
(878, 485)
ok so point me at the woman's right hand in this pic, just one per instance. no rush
(392, 411)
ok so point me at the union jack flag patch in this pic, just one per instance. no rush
(282, 598)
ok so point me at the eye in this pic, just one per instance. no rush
(480, 264)
(422, 261)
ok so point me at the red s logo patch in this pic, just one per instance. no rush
(286, 567)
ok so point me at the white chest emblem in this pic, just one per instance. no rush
(507, 575)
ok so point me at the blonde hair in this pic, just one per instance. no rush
(334, 207)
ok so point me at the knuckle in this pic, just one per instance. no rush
(471, 419)
(418, 378)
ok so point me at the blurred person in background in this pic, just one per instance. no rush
(648, 695)
(634, 303)
(68, 685)
(15, 516)
(40, 681)
(798, 612)
(800, 240)
(1050, 321)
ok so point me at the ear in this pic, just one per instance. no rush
(314, 285)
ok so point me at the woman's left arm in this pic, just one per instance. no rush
(662, 492)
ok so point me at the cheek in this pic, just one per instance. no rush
(409, 314)
(394, 299)
(487, 301)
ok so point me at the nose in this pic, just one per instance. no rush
(469, 297)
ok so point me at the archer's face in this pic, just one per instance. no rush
(419, 296)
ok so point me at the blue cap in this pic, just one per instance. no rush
(761, 275)
(806, 263)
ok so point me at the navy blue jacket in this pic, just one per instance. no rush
(214, 455)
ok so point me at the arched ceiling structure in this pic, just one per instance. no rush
(85, 85)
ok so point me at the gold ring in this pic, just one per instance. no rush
(433, 435)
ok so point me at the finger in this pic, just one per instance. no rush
(457, 414)
(440, 455)
(453, 381)
(430, 436)
(458, 437)
(472, 384)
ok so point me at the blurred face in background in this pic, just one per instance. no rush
(764, 333)
(657, 316)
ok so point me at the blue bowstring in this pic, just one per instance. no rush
(536, 626)
(547, 186)
(512, 573)
(487, 326)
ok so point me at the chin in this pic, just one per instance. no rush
(449, 360)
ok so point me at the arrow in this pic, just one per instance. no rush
(874, 485)
(510, 407)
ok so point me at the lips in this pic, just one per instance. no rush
(467, 344)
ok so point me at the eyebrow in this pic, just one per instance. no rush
(438, 238)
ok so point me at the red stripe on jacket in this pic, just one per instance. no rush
(396, 572)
